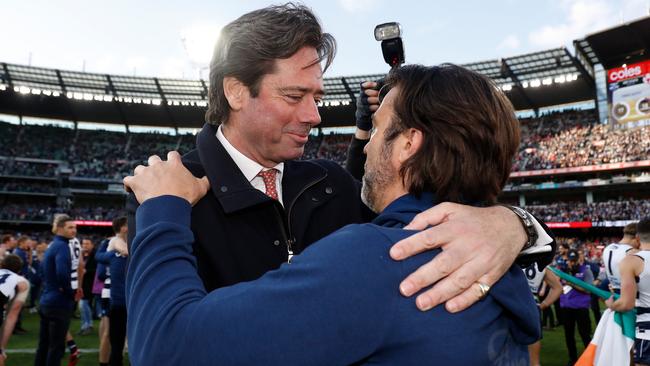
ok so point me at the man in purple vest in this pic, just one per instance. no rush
(575, 302)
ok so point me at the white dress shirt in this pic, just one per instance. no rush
(250, 168)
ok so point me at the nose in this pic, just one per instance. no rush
(309, 112)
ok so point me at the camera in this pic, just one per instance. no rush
(392, 46)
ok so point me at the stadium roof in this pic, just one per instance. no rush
(531, 81)
(626, 43)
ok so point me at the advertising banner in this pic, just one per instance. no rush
(628, 95)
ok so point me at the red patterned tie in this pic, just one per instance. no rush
(269, 182)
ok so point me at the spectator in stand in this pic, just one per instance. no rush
(628, 209)
(559, 139)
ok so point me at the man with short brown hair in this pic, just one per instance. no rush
(58, 297)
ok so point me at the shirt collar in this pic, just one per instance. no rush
(250, 168)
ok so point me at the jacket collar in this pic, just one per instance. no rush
(402, 210)
(229, 185)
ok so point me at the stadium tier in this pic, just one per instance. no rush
(92, 163)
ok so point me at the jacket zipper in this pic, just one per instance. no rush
(290, 240)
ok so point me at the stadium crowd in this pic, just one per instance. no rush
(611, 210)
(571, 139)
(41, 212)
(555, 140)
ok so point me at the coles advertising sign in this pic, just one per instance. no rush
(628, 94)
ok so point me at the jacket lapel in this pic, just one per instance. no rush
(228, 184)
(297, 176)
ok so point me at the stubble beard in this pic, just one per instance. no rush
(374, 183)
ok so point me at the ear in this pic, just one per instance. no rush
(411, 143)
(235, 92)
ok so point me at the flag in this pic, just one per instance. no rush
(614, 336)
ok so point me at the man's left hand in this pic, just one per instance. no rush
(166, 178)
(478, 246)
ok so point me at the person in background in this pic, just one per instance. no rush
(115, 259)
(85, 304)
(58, 297)
(538, 279)
(104, 304)
(575, 303)
(634, 274)
(22, 250)
(13, 293)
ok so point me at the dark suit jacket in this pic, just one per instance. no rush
(240, 233)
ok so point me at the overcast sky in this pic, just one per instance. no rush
(174, 38)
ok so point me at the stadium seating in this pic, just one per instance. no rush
(566, 139)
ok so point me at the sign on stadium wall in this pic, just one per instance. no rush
(628, 95)
(582, 169)
(93, 223)
(587, 224)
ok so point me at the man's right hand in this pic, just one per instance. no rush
(367, 104)
(162, 178)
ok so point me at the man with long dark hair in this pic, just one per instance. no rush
(336, 303)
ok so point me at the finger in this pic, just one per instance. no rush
(205, 184)
(371, 92)
(424, 240)
(153, 159)
(432, 216)
(373, 107)
(139, 169)
(174, 156)
(127, 183)
(368, 84)
(373, 100)
(440, 266)
(470, 295)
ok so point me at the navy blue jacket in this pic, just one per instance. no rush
(23, 256)
(101, 267)
(57, 290)
(117, 268)
(337, 303)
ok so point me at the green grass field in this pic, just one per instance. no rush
(553, 349)
(29, 341)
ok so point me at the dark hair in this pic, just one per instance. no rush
(248, 47)
(6, 238)
(22, 239)
(471, 133)
(118, 222)
(630, 229)
(13, 263)
(643, 230)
